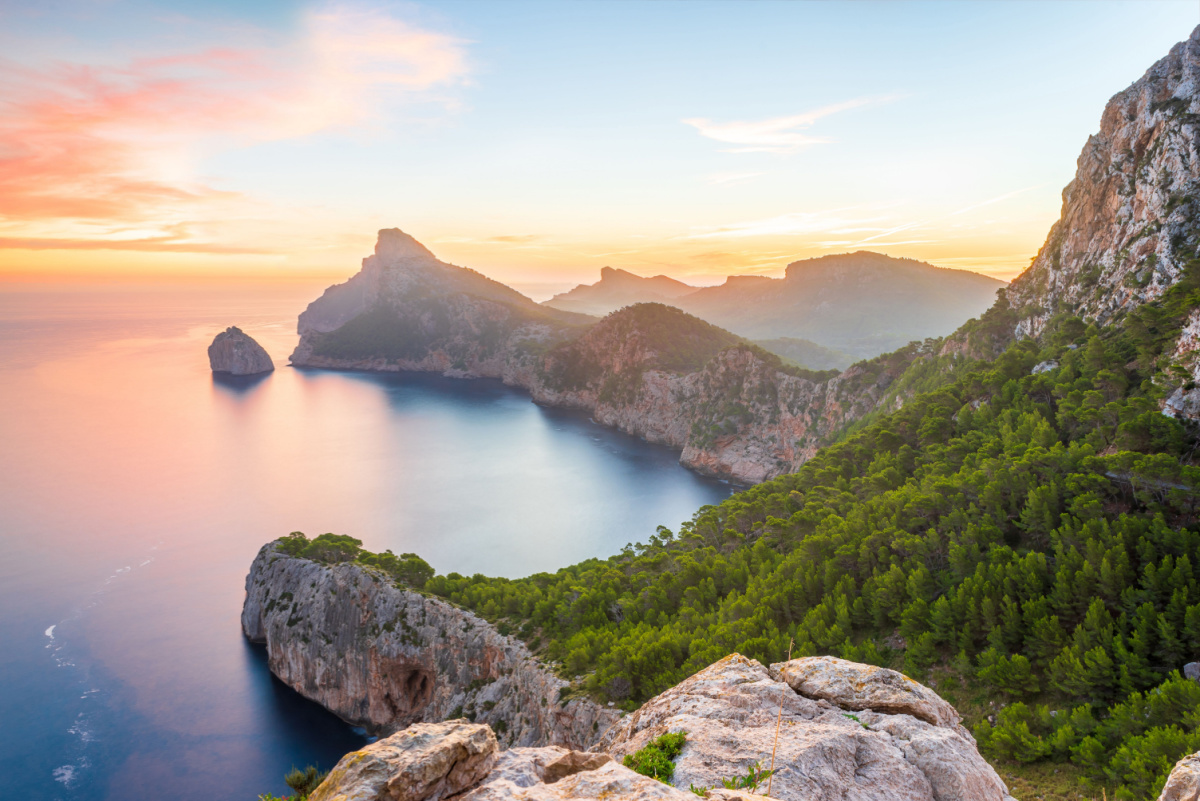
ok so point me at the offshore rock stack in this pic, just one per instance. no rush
(235, 352)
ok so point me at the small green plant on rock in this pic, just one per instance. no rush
(755, 775)
(304, 781)
(656, 760)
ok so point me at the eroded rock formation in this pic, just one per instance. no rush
(384, 657)
(234, 351)
(729, 711)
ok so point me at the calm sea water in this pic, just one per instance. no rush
(135, 490)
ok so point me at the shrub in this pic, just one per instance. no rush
(656, 760)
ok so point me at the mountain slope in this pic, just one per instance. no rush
(863, 303)
(616, 289)
(405, 310)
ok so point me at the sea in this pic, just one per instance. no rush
(136, 487)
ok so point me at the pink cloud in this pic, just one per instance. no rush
(82, 144)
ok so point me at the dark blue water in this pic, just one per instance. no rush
(135, 491)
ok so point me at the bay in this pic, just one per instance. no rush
(135, 490)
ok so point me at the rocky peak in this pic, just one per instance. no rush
(1129, 217)
(394, 246)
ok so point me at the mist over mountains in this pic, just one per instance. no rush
(861, 304)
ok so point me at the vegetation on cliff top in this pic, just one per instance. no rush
(331, 549)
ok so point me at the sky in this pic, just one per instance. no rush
(539, 141)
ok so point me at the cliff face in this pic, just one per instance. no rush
(1129, 218)
(846, 731)
(383, 657)
(732, 409)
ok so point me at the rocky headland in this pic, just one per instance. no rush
(734, 410)
(845, 731)
(382, 656)
(235, 352)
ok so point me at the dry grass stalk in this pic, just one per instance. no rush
(778, 723)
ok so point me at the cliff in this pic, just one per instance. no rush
(733, 409)
(235, 352)
(405, 310)
(383, 657)
(846, 731)
(1129, 218)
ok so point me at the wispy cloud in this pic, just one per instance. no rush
(778, 134)
(86, 144)
(717, 179)
(794, 224)
(996, 199)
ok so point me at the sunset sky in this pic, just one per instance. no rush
(537, 142)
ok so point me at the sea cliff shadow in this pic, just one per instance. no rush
(238, 385)
(302, 731)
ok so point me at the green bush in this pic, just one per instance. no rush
(656, 760)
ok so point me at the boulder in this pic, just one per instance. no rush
(1184, 782)
(855, 686)
(234, 351)
(837, 746)
(1192, 671)
(425, 762)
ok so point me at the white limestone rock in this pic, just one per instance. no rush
(1184, 782)
(425, 762)
(729, 711)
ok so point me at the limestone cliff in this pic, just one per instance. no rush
(1130, 217)
(384, 657)
(405, 310)
(846, 731)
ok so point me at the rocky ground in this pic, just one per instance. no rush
(846, 731)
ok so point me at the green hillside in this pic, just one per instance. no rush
(1022, 537)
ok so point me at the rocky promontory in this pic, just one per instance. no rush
(845, 731)
(234, 351)
(732, 409)
(383, 657)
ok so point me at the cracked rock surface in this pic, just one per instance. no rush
(858, 733)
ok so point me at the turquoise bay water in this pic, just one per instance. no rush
(135, 490)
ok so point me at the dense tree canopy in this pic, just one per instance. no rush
(1023, 531)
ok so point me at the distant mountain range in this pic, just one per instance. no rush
(862, 304)
(618, 288)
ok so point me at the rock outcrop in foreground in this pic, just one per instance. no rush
(384, 657)
(835, 742)
(1184, 782)
(234, 351)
